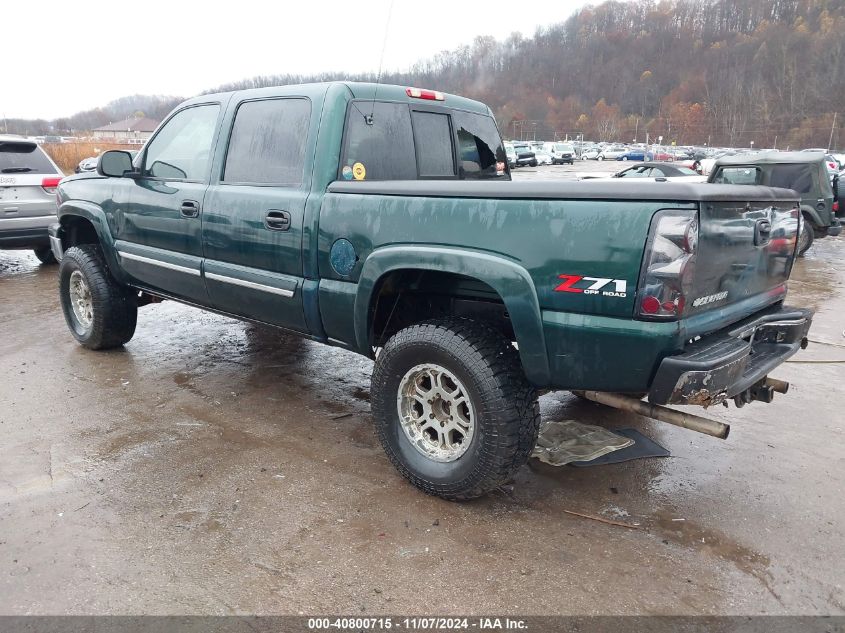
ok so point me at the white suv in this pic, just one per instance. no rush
(28, 181)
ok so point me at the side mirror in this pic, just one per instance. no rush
(114, 163)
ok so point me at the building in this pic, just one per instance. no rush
(134, 130)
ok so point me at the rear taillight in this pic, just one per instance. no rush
(419, 93)
(836, 206)
(49, 184)
(668, 265)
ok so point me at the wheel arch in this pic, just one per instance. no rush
(82, 222)
(511, 283)
(809, 212)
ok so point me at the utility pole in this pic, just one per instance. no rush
(832, 127)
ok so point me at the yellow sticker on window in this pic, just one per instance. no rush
(359, 172)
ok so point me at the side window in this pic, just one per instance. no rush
(656, 172)
(480, 150)
(797, 177)
(182, 148)
(268, 142)
(380, 147)
(434, 144)
(737, 176)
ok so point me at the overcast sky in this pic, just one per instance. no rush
(62, 57)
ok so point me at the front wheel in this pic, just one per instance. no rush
(624, 158)
(600, 158)
(100, 312)
(452, 407)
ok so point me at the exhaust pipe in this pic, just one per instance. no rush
(781, 386)
(663, 414)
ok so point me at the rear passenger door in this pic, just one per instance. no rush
(253, 213)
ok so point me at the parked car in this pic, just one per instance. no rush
(510, 152)
(706, 164)
(635, 154)
(87, 164)
(803, 172)
(525, 156)
(543, 157)
(28, 181)
(562, 153)
(611, 153)
(590, 153)
(664, 171)
(469, 296)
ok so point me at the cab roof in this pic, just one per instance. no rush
(359, 90)
(772, 158)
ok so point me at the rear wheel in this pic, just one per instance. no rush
(805, 237)
(45, 255)
(99, 311)
(452, 407)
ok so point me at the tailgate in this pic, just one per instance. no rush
(27, 180)
(745, 249)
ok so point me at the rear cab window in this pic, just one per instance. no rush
(401, 141)
(24, 158)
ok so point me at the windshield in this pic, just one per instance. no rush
(560, 147)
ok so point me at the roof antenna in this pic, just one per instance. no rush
(369, 119)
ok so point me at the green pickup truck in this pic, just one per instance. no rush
(382, 219)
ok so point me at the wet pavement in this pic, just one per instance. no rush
(215, 467)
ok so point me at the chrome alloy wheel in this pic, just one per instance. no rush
(80, 299)
(435, 412)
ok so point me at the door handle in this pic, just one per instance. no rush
(189, 208)
(762, 232)
(277, 220)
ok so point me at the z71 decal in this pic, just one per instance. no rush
(593, 286)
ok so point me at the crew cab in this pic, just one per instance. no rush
(382, 220)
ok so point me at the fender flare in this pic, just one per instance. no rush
(510, 280)
(97, 217)
(815, 218)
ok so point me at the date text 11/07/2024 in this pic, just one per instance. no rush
(418, 624)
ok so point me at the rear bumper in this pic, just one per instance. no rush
(33, 237)
(835, 228)
(730, 363)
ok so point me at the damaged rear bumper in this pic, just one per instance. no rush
(732, 363)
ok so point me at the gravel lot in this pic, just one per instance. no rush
(214, 467)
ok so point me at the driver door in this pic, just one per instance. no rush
(159, 231)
